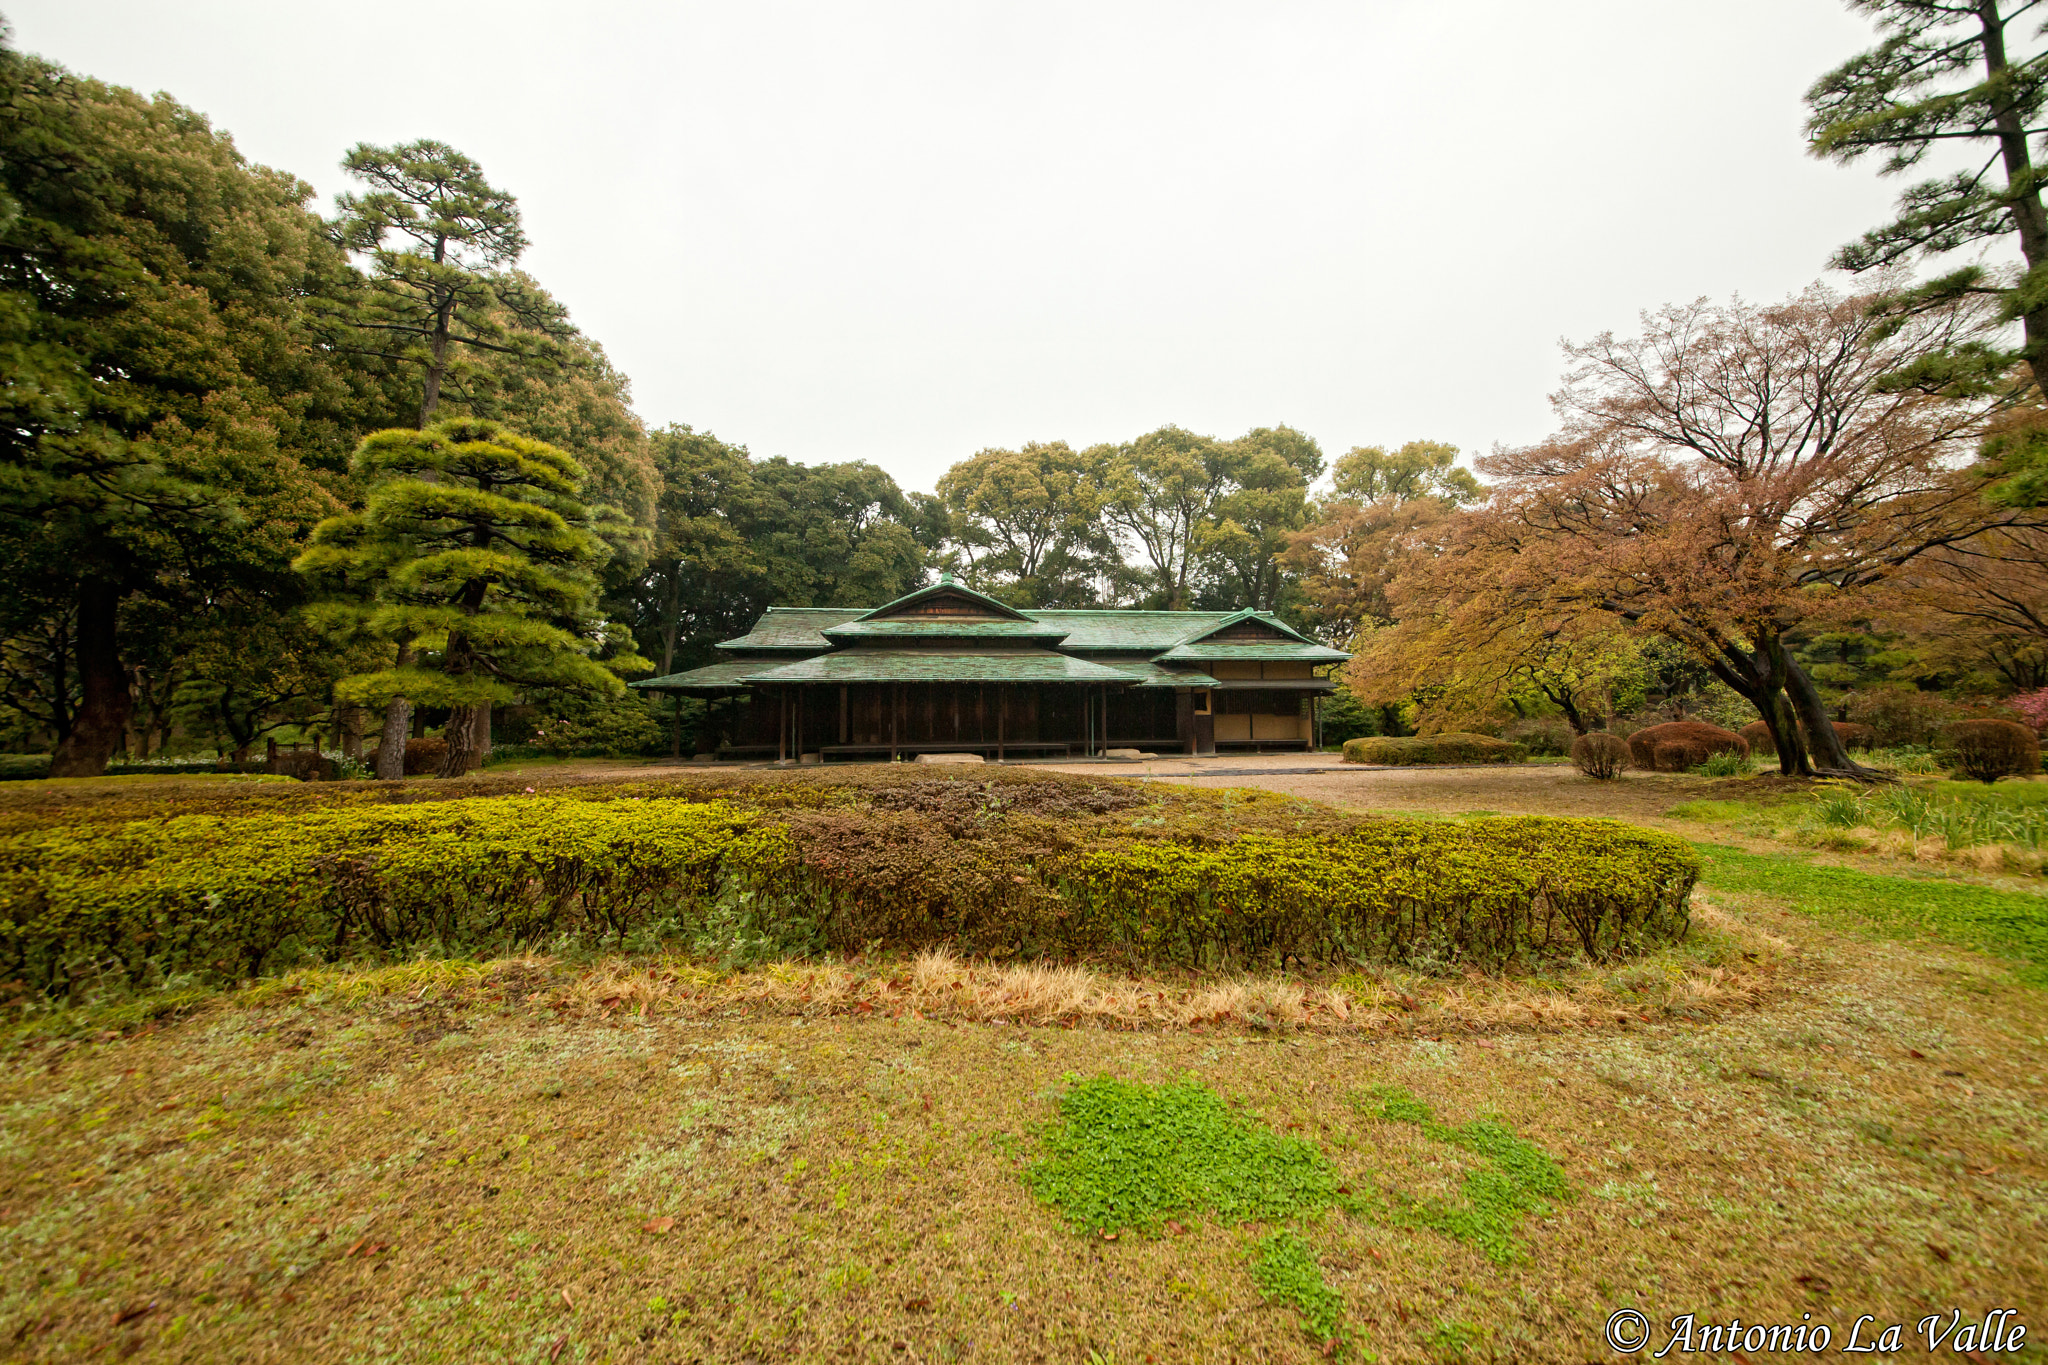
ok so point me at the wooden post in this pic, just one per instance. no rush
(782, 725)
(1002, 710)
(675, 726)
(895, 698)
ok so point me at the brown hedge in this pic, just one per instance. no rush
(1681, 744)
(1986, 750)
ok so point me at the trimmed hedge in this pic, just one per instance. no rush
(1446, 748)
(1679, 745)
(232, 896)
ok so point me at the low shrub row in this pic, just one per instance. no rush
(1445, 748)
(226, 897)
(1679, 745)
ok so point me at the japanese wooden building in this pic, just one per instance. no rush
(949, 670)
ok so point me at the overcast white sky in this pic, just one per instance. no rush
(903, 232)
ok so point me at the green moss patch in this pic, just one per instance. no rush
(1518, 1180)
(1284, 1267)
(1126, 1155)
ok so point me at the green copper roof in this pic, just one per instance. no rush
(1264, 618)
(1163, 635)
(942, 628)
(794, 628)
(931, 665)
(1137, 631)
(1275, 651)
(948, 586)
(1150, 674)
(720, 677)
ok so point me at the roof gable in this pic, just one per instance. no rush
(947, 599)
(1243, 628)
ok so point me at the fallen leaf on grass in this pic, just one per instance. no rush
(918, 1306)
(659, 1226)
(560, 1342)
(128, 1315)
(1176, 1227)
(1940, 1253)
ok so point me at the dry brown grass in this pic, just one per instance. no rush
(1728, 965)
(543, 1162)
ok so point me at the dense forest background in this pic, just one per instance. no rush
(1816, 508)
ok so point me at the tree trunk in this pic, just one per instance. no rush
(104, 703)
(391, 742)
(467, 733)
(348, 727)
(1830, 758)
(397, 723)
(2028, 216)
(438, 367)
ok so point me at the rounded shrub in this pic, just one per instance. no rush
(1986, 750)
(1600, 755)
(1681, 744)
(1757, 736)
(423, 757)
(1422, 749)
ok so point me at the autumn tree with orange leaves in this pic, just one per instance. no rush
(1720, 479)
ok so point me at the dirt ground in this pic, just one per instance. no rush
(1506, 789)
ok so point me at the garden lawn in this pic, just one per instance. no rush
(1820, 1105)
(493, 1165)
(2012, 925)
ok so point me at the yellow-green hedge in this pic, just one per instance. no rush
(1446, 748)
(231, 896)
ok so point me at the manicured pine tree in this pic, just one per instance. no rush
(441, 241)
(474, 546)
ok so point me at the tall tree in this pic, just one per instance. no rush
(1724, 476)
(700, 582)
(166, 414)
(486, 558)
(1028, 521)
(1967, 75)
(441, 241)
(1975, 607)
(1380, 504)
(1255, 517)
(444, 299)
(1160, 491)
(833, 535)
(1471, 661)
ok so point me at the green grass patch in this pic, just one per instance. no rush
(1519, 1178)
(1123, 1154)
(1284, 1267)
(1712, 810)
(2010, 925)
(2014, 794)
